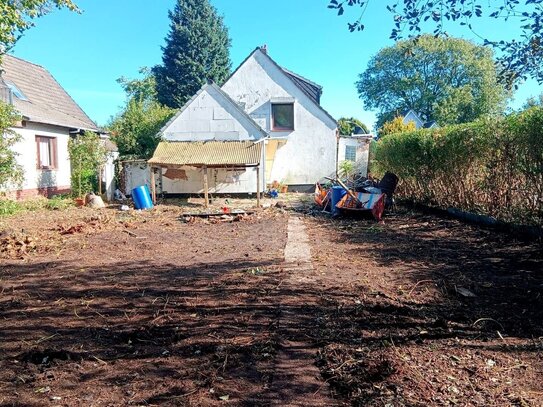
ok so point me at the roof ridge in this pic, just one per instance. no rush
(301, 77)
(295, 84)
(24, 60)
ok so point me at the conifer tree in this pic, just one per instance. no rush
(196, 51)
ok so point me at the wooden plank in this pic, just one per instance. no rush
(206, 188)
(100, 169)
(258, 187)
(214, 214)
(153, 186)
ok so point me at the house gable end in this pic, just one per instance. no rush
(211, 115)
(261, 64)
(412, 116)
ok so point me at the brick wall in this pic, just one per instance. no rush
(33, 193)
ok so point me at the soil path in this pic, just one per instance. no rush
(296, 380)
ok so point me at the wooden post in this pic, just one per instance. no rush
(100, 180)
(206, 188)
(153, 186)
(258, 187)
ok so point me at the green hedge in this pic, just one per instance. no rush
(490, 167)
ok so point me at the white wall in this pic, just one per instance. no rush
(108, 175)
(210, 116)
(220, 181)
(27, 150)
(136, 174)
(310, 152)
(362, 152)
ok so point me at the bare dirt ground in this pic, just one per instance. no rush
(105, 308)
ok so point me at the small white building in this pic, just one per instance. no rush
(355, 148)
(263, 104)
(49, 118)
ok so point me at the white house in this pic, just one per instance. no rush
(49, 118)
(273, 109)
(412, 116)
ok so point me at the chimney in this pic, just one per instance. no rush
(264, 49)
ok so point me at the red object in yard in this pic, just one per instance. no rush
(226, 209)
(374, 203)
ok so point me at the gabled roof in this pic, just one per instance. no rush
(228, 100)
(313, 90)
(207, 153)
(310, 89)
(41, 98)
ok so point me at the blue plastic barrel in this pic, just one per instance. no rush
(142, 197)
(337, 193)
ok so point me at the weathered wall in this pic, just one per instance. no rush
(310, 152)
(37, 181)
(108, 175)
(191, 180)
(210, 117)
(221, 181)
(362, 152)
(137, 173)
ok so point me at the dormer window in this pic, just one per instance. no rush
(282, 116)
(15, 90)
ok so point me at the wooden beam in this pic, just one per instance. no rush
(206, 188)
(100, 180)
(258, 187)
(153, 186)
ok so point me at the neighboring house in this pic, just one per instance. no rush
(261, 105)
(49, 118)
(412, 116)
(355, 148)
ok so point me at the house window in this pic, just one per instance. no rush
(350, 153)
(46, 152)
(15, 90)
(282, 116)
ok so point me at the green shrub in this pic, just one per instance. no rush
(492, 167)
(10, 207)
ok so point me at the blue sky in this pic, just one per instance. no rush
(112, 38)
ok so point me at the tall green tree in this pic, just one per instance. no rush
(520, 56)
(448, 80)
(533, 102)
(135, 128)
(196, 51)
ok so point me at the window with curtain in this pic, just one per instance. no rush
(283, 116)
(350, 153)
(47, 152)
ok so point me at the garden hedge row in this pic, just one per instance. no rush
(491, 167)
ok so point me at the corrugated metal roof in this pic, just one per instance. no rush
(209, 153)
(42, 99)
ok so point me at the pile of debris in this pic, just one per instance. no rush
(16, 245)
(370, 196)
(226, 216)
